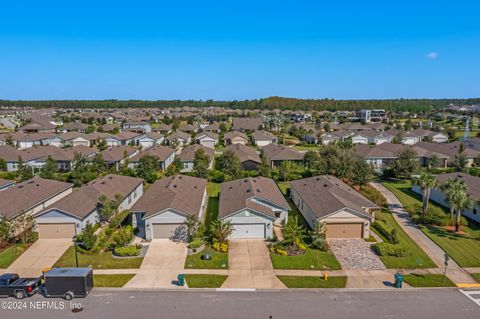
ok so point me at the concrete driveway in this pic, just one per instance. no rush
(250, 266)
(42, 254)
(164, 260)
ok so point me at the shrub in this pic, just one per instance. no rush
(281, 252)
(87, 237)
(122, 237)
(394, 237)
(374, 195)
(196, 243)
(387, 249)
(382, 229)
(221, 247)
(133, 250)
(319, 243)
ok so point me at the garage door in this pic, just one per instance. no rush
(56, 230)
(345, 230)
(248, 231)
(172, 231)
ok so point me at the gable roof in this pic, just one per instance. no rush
(188, 152)
(234, 134)
(28, 194)
(247, 123)
(327, 194)
(239, 194)
(117, 153)
(276, 152)
(244, 153)
(180, 192)
(159, 151)
(472, 182)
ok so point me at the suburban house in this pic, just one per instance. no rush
(150, 139)
(187, 156)
(31, 196)
(165, 155)
(25, 140)
(6, 183)
(253, 206)
(248, 157)
(213, 128)
(68, 216)
(473, 189)
(276, 154)
(70, 139)
(326, 199)
(163, 128)
(139, 127)
(115, 156)
(263, 138)
(247, 124)
(37, 125)
(178, 139)
(448, 151)
(335, 136)
(123, 138)
(73, 127)
(163, 210)
(207, 139)
(188, 128)
(235, 137)
(371, 137)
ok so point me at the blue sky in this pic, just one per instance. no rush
(241, 49)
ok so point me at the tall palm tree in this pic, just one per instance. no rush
(426, 182)
(452, 188)
(462, 201)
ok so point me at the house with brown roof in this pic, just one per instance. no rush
(248, 157)
(243, 124)
(473, 190)
(31, 196)
(235, 137)
(326, 199)
(150, 139)
(178, 139)
(6, 183)
(164, 209)
(276, 154)
(165, 155)
(123, 138)
(187, 156)
(73, 127)
(207, 139)
(263, 138)
(70, 139)
(70, 215)
(117, 155)
(253, 206)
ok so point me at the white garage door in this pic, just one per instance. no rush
(248, 231)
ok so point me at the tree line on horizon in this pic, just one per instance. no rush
(270, 103)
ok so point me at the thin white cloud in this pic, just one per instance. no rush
(432, 55)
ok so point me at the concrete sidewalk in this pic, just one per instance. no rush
(454, 271)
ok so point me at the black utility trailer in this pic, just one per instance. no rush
(68, 283)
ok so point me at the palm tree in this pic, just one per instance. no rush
(221, 230)
(426, 182)
(462, 202)
(452, 187)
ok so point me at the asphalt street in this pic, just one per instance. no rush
(438, 304)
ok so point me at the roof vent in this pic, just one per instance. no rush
(258, 190)
(325, 185)
(249, 190)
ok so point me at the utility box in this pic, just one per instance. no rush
(398, 280)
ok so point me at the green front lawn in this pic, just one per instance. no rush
(311, 259)
(97, 261)
(464, 249)
(313, 282)
(219, 260)
(428, 280)
(307, 147)
(417, 259)
(10, 254)
(118, 280)
(205, 281)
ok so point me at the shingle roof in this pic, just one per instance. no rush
(276, 152)
(244, 153)
(327, 194)
(247, 123)
(160, 151)
(472, 182)
(238, 194)
(117, 153)
(188, 152)
(26, 195)
(263, 135)
(180, 192)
